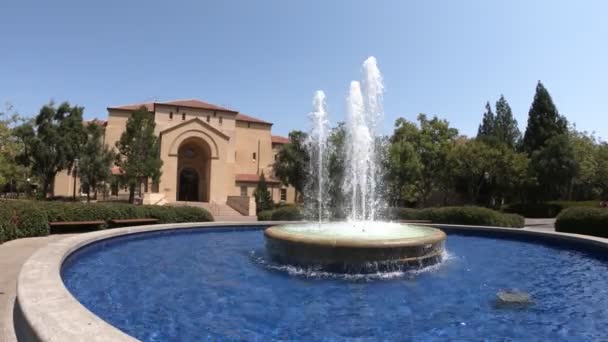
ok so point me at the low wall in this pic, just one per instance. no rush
(245, 205)
(47, 311)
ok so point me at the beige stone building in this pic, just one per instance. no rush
(210, 154)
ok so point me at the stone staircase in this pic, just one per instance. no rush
(220, 212)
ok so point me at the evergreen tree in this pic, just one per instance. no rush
(96, 160)
(505, 126)
(291, 165)
(263, 198)
(544, 121)
(138, 151)
(52, 142)
(488, 123)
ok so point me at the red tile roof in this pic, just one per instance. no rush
(253, 178)
(247, 118)
(191, 103)
(277, 139)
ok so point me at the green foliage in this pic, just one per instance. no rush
(546, 209)
(95, 164)
(29, 218)
(335, 166)
(494, 172)
(580, 220)
(431, 142)
(544, 121)
(263, 198)
(138, 151)
(291, 165)
(52, 142)
(499, 129)
(265, 215)
(554, 166)
(488, 123)
(19, 220)
(287, 213)
(11, 147)
(461, 215)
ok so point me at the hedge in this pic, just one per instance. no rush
(19, 220)
(476, 216)
(282, 213)
(547, 209)
(581, 220)
(30, 218)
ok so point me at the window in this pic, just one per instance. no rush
(248, 125)
(283, 195)
(208, 118)
(254, 156)
(170, 115)
(221, 120)
(243, 190)
(183, 116)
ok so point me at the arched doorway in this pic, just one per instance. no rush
(188, 185)
(194, 171)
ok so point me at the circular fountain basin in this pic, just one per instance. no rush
(355, 246)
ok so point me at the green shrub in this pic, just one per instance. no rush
(18, 220)
(547, 209)
(476, 216)
(581, 220)
(265, 215)
(287, 213)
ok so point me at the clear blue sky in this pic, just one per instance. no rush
(266, 58)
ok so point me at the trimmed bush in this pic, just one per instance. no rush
(18, 221)
(30, 218)
(265, 215)
(581, 220)
(287, 213)
(476, 216)
(547, 209)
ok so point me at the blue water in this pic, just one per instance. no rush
(217, 285)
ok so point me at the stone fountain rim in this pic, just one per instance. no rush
(276, 232)
(46, 311)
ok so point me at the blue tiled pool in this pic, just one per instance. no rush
(217, 284)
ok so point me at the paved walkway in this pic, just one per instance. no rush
(542, 224)
(12, 256)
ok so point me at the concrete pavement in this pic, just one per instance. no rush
(12, 256)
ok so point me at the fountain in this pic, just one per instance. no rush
(363, 243)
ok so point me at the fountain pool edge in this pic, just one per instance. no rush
(46, 311)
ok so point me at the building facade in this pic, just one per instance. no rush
(210, 154)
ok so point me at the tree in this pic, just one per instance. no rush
(138, 152)
(335, 166)
(263, 198)
(486, 173)
(431, 141)
(52, 142)
(96, 160)
(602, 170)
(544, 121)
(291, 165)
(506, 130)
(499, 128)
(11, 173)
(488, 123)
(403, 164)
(554, 166)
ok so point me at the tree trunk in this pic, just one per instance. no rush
(88, 195)
(132, 193)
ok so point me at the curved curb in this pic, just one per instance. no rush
(48, 312)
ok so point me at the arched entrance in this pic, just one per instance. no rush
(194, 168)
(188, 185)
